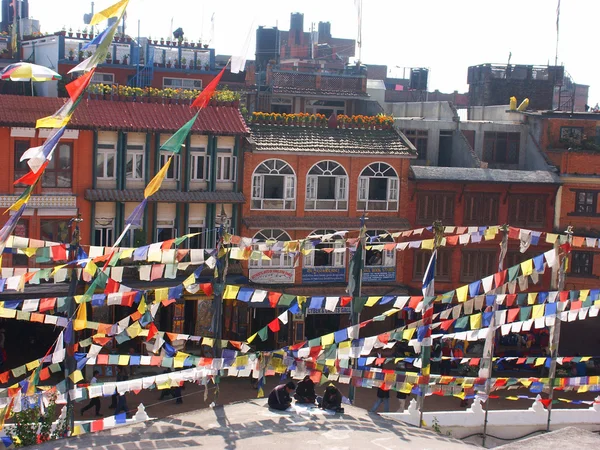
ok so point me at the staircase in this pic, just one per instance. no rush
(145, 74)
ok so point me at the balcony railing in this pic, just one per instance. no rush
(318, 81)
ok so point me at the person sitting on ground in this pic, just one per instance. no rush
(332, 399)
(279, 398)
(305, 392)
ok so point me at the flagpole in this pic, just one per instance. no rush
(427, 317)
(357, 293)
(555, 336)
(485, 369)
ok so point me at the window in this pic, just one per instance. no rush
(281, 105)
(442, 264)
(527, 210)
(55, 230)
(432, 206)
(571, 135)
(21, 167)
(376, 255)
(197, 241)
(582, 263)
(477, 264)
(226, 165)
(274, 186)
(200, 162)
(21, 230)
(103, 78)
(501, 148)
(481, 209)
(586, 202)
(135, 237)
(173, 170)
(103, 236)
(59, 172)
(327, 187)
(325, 107)
(165, 230)
(134, 168)
(322, 242)
(418, 138)
(378, 188)
(183, 83)
(272, 240)
(105, 161)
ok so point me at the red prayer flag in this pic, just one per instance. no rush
(151, 331)
(446, 324)
(47, 304)
(102, 359)
(274, 326)
(59, 252)
(97, 425)
(297, 346)
(128, 298)
(474, 362)
(167, 302)
(563, 296)
(207, 288)
(30, 178)
(166, 245)
(512, 315)
(513, 233)
(510, 299)
(4, 377)
(204, 98)
(315, 376)
(576, 305)
(451, 240)
(414, 302)
(44, 373)
(274, 298)
(499, 278)
(546, 402)
(76, 87)
(112, 286)
(345, 300)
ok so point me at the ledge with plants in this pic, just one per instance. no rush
(379, 122)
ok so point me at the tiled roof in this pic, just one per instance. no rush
(318, 92)
(21, 111)
(316, 222)
(422, 173)
(164, 195)
(270, 138)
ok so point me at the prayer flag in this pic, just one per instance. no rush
(204, 98)
(175, 142)
(156, 182)
(115, 10)
(428, 278)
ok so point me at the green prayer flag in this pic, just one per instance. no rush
(461, 323)
(448, 296)
(513, 272)
(525, 313)
(175, 142)
(167, 362)
(358, 303)
(263, 334)
(314, 342)
(286, 300)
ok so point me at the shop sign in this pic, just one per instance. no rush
(324, 275)
(379, 274)
(272, 276)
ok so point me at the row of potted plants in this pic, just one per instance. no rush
(181, 64)
(154, 95)
(380, 121)
(176, 43)
(79, 33)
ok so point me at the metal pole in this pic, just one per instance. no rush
(487, 361)
(555, 336)
(427, 315)
(70, 363)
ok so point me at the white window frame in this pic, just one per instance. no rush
(180, 83)
(136, 154)
(326, 169)
(197, 224)
(289, 185)
(274, 241)
(195, 153)
(223, 154)
(338, 259)
(388, 256)
(104, 152)
(378, 170)
(175, 165)
(103, 78)
(165, 224)
(105, 230)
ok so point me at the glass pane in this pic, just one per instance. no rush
(100, 165)
(326, 188)
(273, 186)
(378, 188)
(110, 165)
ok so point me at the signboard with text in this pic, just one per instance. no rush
(324, 275)
(269, 275)
(379, 274)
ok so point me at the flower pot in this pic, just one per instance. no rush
(162, 42)
(78, 35)
(155, 64)
(155, 42)
(107, 96)
(168, 42)
(84, 35)
(125, 62)
(70, 34)
(117, 61)
(193, 44)
(121, 98)
(205, 45)
(71, 58)
(168, 65)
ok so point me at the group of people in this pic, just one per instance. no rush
(280, 398)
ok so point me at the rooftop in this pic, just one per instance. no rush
(299, 139)
(252, 425)
(19, 111)
(164, 195)
(422, 173)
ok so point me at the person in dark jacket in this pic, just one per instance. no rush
(332, 399)
(279, 398)
(382, 397)
(305, 392)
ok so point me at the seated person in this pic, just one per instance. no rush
(332, 399)
(305, 392)
(279, 398)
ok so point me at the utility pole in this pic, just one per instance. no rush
(487, 361)
(70, 363)
(427, 315)
(555, 334)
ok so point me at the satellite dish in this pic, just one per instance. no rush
(87, 18)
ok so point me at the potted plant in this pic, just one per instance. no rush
(162, 41)
(169, 63)
(80, 55)
(192, 44)
(88, 53)
(207, 67)
(168, 41)
(4, 53)
(125, 58)
(71, 55)
(183, 63)
(85, 32)
(205, 45)
(78, 33)
(109, 58)
(70, 32)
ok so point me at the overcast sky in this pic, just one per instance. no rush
(445, 36)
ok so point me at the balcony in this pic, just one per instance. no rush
(317, 83)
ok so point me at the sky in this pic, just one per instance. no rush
(444, 36)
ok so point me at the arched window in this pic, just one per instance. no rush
(271, 240)
(327, 187)
(376, 254)
(378, 188)
(274, 186)
(329, 249)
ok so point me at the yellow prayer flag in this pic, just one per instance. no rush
(328, 339)
(161, 294)
(142, 307)
(112, 11)
(126, 253)
(583, 294)
(531, 298)
(539, 361)
(156, 182)
(551, 238)
(80, 322)
(461, 293)
(208, 341)
(33, 365)
(179, 360)
(537, 311)
(28, 251)
(76, 376)
(53, 121)
(251, 338)
(91, 268)
(134, 330)
(490, 234)
(57, 268)
(427, 244)
(189, 281)
(371, 301)
(582, 389)
(123, 360)
(408, 334)
(231, 292)
(527, 267)
(6, 313)
(586, 359)
(475, 320)
(77, 430)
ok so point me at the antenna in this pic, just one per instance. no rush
(557, 27)
(359, 7)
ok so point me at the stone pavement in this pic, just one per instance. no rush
(569, 437)
(252, 425)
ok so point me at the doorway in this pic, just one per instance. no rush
(445, 149)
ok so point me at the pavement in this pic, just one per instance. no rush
(252, 425)
(569, 437)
